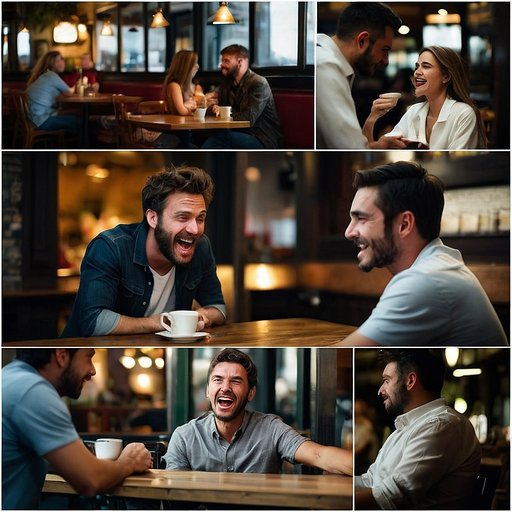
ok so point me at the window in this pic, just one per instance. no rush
(132, 38)
(107, 45)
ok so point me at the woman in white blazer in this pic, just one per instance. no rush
(445, 117)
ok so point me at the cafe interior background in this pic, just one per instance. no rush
(277, 221)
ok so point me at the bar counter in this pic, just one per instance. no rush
(289, 332)
(327, 492)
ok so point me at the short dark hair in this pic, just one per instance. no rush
(371, 16)
(39, 357)
(190, 180)
(232, 355)
(406, 186)
(240, 51)
(428, 366)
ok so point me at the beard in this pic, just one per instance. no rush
(232, 415)
(399, 402)
(384, 252)
(70, 384)
(232, 72)
(364, 63)
(166, 247)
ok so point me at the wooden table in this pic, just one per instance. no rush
(86, 101)
(299, 491)
(170, 123)
(290, 332)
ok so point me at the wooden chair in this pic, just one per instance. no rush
(154, 107)
(26, 130)
(123, 129)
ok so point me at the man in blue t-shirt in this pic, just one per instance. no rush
(432, 298)
(37, 431)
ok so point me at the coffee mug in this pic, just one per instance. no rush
(225, 112)
(200, 113)
(108, 448)
(391, 96)
(180, 322)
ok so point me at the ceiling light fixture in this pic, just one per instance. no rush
(106, 28)
(65, 32)
(159, 19)
(223, 15)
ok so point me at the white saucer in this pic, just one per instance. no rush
(182, 338)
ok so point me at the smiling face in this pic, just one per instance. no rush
(430, 79)
(79, 369)
(368, 232)
(393, 391)
(228, 391)
(230, 65)
(59, 64)
(376, 55)
(180, 226)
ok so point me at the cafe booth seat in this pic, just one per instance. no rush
(148, 90)
(295, 110)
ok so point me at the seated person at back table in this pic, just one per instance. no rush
(433, 298)
(432, 459)
(251, 99)
(88, 72)
(134, 272)
(37, 431)
(230, 438)
(44, 89)
(181, 94)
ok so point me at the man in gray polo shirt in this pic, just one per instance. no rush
(232, 439)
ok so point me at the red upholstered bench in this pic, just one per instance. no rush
(296, 113)
(148, 90)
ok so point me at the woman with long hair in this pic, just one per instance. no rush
(44, 89)
(447, 118)
(181, 94)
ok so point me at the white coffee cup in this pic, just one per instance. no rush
(391, 96)
(224, 112)
(181, 322)
(200, 113)
(108, 448)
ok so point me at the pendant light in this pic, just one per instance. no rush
(223, 16)
(65, 32)
(106, 28)
(159, 19)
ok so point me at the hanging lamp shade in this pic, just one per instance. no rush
(223, 16)
(159, 19)
(106, 29)
(65, 32)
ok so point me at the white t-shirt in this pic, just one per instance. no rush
(163, 297)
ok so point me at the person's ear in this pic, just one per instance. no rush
(363, 40)
(446, 79)
(407, 222)
(251, 394)
(411, 380)
(152, 218)
(61, 357)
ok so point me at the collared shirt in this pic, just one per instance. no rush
(35, 421)
(42, 95)
(337, 125)
(260, 445)
(436, 301)
(455, 128)
(431, 460)
(116, 280)
(252, 100)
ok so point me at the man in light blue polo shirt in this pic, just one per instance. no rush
(433, 298)
(37, 431)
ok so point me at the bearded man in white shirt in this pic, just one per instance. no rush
(433, 457)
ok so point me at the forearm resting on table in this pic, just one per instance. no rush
(329, 458)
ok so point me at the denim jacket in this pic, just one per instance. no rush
(116, 280)
(252, 100)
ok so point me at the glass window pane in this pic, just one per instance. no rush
(182, 26)
(132, 38)
(310, 33)
(276, 26)
(107, 45)
(220, 36)
(5, 46)
(24, 50)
